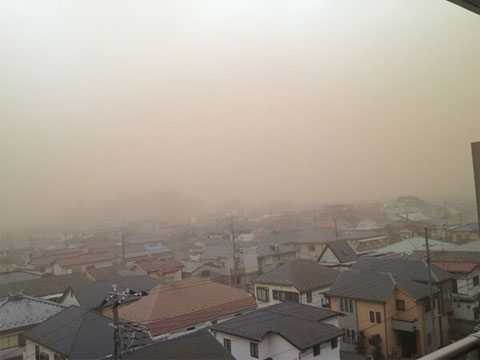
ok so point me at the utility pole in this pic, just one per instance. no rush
(336, 229)
(315, 218)
(432, 308)
(117, 298)
(234, 251)
(123, 248)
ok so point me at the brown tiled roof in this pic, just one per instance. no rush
(185, 303)
(161, 265)
(88, 258)
(48, 258)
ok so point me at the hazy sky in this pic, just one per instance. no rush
(258, 100)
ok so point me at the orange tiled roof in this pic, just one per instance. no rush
(161, 265)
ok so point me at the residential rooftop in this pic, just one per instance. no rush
(301, 332)
(303, 275)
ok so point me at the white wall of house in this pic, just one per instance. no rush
(329, 257)
(29, 350)
(310, 251)
(318, 295)
(249, 260)
(69, 298)
(276, 347)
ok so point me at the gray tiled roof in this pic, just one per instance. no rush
(200, 345)
(46, 285)
(374, 286)
(300, 332)
(342, 251)
(20, 311)
(412, 269)
(303, 311)
(361, 285)
(75, 333)
(303, 275)
(91, 294)
(15, 276)
(108, 272)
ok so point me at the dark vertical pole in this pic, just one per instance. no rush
(315, 218)
(476, 176)
(336, 229)
(116, 332)
(234, 251)
(432, 308)
(123, 248)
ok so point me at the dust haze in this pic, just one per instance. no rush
(255, 101)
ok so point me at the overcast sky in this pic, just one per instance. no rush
(256, 100)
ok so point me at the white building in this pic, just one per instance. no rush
(300, 281)
(282, 332)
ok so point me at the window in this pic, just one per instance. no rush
(311, 248)
(454, 287)
(378, 317)
(58, 357)
(334, 343)
(44, 356)
(262, 294)
(349, 339)
(344, 338)
(37, 352)
(227, 344)
(429, 339)
(400, 305)
(309, 296)
(353, 336)
(288, 296)
(316, 350)
(254, 350)
(372, 316)
(205, 273)
(275, 294)
(427, 305)
(341, 305)
(8, 342)
(475, 280)
(350, 304)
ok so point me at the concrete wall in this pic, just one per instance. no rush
(306, 253)
(69, 299)
(329, 257)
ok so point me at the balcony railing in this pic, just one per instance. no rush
(466, 348)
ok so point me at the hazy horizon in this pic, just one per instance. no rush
(314, 101)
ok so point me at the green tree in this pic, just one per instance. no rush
(360, 345)
(376, 341)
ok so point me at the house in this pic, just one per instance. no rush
(222, 257)
(464, 233)
(50, 287)
(17, 314)
(84, 261)
(384, 308)
(44, 261)
(175, 308)
(75, 334)
(417, 270)
(338, 254)
(91, 294)
(198, 345)
(465, 269)
(107, 272)
(300, 281)
(161, 269)
(282, 331)
(408, 246)
(269, 255)
(199, 269)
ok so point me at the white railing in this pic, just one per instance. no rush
(469, 346)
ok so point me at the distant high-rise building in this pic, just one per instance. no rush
(476, 174)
